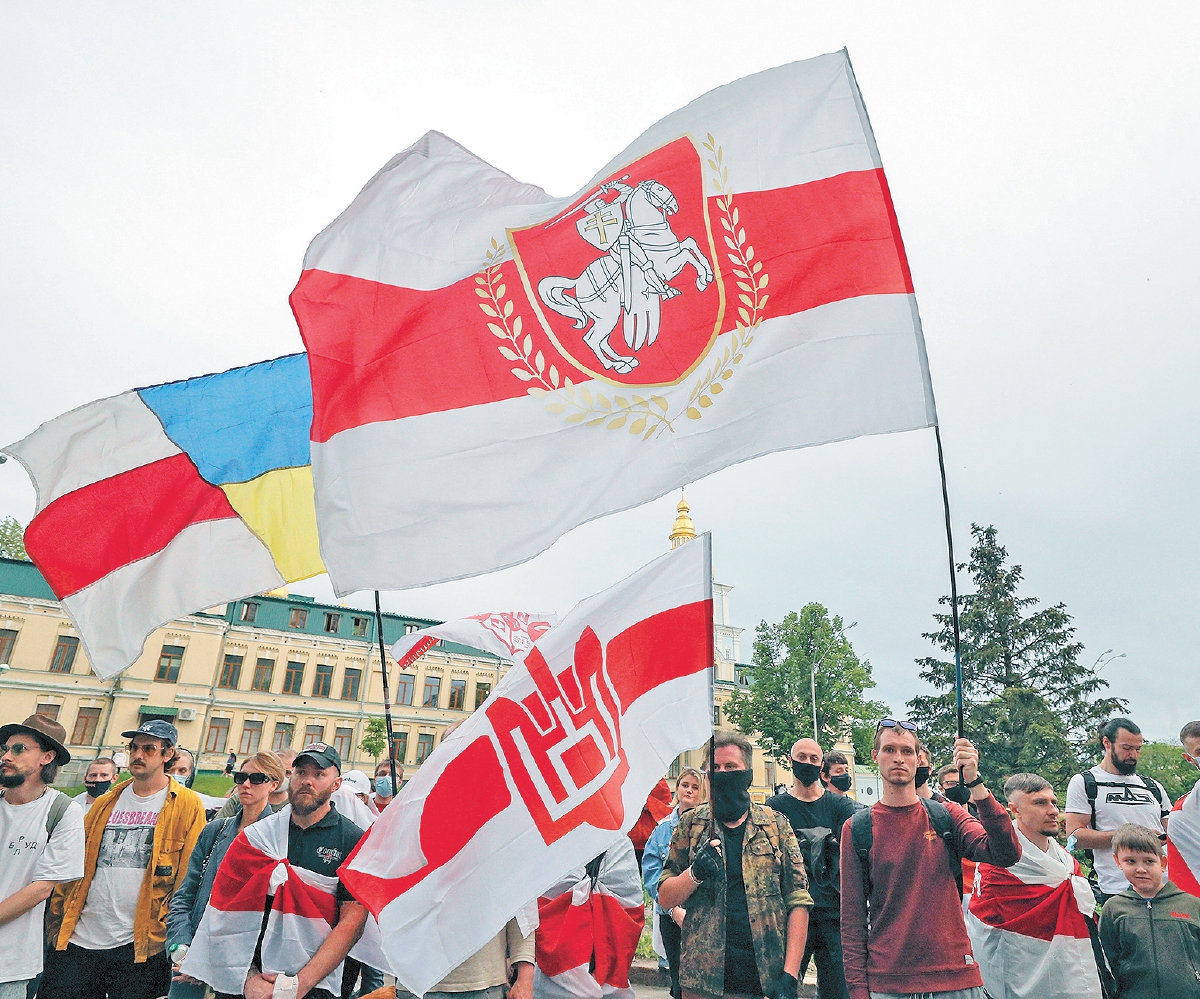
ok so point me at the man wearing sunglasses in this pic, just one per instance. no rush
(112, 941)
(903, 931)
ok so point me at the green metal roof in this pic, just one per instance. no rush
(22, 579)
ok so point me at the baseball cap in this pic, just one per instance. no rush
(357, 781)
(157, 728)
(321, 754)
(46, 730)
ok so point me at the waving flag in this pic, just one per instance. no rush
(304, 910)
(508, 634)
(559, 763)
(162, 501)
(1183, 843)
(1028, 929)
(589, 924)
(493, 366)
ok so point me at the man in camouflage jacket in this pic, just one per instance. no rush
(776, 898)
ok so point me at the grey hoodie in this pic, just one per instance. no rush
(1153, 944)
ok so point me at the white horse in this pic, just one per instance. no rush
(631, 278)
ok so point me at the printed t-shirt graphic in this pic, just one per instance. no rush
(125, 850)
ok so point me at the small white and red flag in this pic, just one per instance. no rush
(1183, 843)
(304, 911)
(552, 772)
(507, 634)
(589, 923)
(1028, 927)
(483, 353)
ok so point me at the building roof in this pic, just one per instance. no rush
(22, 579)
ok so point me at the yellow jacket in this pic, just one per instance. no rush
(179, 826)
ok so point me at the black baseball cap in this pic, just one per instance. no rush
(321, 754)
(157, 728)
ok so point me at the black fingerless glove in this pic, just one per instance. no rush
(707, 863)
(785, 987)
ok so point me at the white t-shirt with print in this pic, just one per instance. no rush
(125, 850)
(25, 857)
(1130, 801)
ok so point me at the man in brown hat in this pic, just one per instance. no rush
(41, 843)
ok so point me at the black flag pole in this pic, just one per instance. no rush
(387, 697)
(960, 793)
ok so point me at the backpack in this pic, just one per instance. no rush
(58, 808)
(862, 835)
(1091, 788)
(821, 852)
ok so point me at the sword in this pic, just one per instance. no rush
(572, 211)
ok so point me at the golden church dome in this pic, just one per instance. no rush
(683, 529)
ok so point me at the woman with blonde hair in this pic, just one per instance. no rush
(691, 789)
(260, 777)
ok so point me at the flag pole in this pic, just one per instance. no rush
(712, 658)
(959, 792)
(387, 698)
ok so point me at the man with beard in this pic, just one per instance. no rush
(817, 817)
(742, 881)
(41, 843)
(1109, 795)
(319, 839)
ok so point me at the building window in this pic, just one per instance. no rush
(231, 672)
(293, 678)
(169, 661)
(282, 739)
(404, 688)
(769, 774)
(8, 639)
(458, 695)
(64, 654)
(313, 733)
(84, 733)
(716, 715)
(298, 617)
(361, 624)
(251, 737)
(218, 735)
(482, 690)
(249, 611)
(433, 687)
(673, 773)
(332, 622)
(350, 684)
(49, 710)
(342, 739)
(424, 747)
(409, 627)
(263, 670)
(323, 681)
(400, 745)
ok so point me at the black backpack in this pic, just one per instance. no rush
(821, 852)
(1091, 788)
(863, 835)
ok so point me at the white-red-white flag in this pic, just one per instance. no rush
(550, 773)
(1028, 930)
(493, 366)
(507, 634)
(1183, 843)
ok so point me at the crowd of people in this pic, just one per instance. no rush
(104, 895)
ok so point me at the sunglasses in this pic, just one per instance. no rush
(892, 723)
(17, 748)
(241, 777)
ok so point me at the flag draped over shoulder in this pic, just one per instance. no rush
(1183, 843)
(553, 771)
(1028, 928)
(304, 910)
(165, 500)
(493, 366)
(595, 913)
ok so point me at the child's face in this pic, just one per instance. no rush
(1144, 871)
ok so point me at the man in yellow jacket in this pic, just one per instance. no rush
(111, 941)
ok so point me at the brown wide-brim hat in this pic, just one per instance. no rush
(46, 729)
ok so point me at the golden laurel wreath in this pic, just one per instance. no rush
(646, 415)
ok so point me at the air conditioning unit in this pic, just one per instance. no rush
(187, 714)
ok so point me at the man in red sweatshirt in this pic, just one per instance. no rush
(909, 937)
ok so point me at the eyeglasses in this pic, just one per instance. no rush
(241, 777)
(17, 748)
(892, 723)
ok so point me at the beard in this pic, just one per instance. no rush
(1125, 767)
(11, 780)
(306, 805)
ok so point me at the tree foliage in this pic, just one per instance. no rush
(374, 740)
(12, 538)
(1165, 763)
(777, 706)
(1031, 705)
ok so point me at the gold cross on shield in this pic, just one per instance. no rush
(598, 220)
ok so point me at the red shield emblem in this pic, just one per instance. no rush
(626, 281)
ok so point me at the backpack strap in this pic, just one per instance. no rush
(862, 836)
(58, 809)
(943, 824)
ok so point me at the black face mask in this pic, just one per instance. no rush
(842, 782)
(923, 776)
(806, 773)
(730, 793)
(95, 788)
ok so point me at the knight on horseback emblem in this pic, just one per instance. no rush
(629, 281)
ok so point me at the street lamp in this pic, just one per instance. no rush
(813, 678)
(1111, 658)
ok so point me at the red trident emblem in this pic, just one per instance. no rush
(563, 743)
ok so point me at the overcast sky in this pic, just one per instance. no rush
(163, 167)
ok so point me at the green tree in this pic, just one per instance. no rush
(12, 538)
(777, 706)
(374, 740)
(1031, 705)
(1165, 763)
